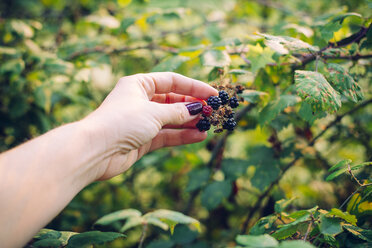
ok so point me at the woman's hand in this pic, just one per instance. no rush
(145, 112)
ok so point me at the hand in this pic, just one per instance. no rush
(145, 112)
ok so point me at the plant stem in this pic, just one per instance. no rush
(143, 235)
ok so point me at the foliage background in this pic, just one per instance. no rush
(60, 58)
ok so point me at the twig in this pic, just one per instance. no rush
(357, 190)
(257, 205)
(110, 50)
(309, 227)
(143, 235)
(347, 199)
(352, 174)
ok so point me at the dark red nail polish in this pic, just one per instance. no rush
(194, 108)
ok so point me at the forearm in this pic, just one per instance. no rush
(39, 178)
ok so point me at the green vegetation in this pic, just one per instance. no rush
(294, 173)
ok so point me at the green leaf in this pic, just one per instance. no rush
(343, 215)
(260, 241)
(21, 28)
(314, 89)
(172, 218)
(342, 164)
(170, 64)
(266, 166)
(227, 42)
(48, 242)
(51, 235)
(271, 110)
(295, 244)
(132, 222)
(285, 44)
(282, 204)
(330, 226)
(263, 225)
(92, 238)
(126, 23)
(307, 114)
(344, 83)
(342, 17)
(197, 179)
(234, 168)
(157, 222)
(253, 96)
(301, 218)
(183, 235)
(9, 51)
(238, 72)
(14, 66)
(326, 32)
(358, 166)
(214, 193)
(259, 57)
(216, 58)
(18, 106)
(339, 168)
(285, 232)
(118, 215)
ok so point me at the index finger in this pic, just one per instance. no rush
(166, 82)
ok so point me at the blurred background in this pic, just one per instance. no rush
(60, 58)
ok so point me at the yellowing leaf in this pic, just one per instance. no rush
(353, 201)
(124, 3)
(365, 206)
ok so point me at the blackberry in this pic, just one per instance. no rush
(207, 111)
(203, 125)
(214, 102)
(229, 124)
(234, 102)
(239, 89)
(223, 96)
(229, 114)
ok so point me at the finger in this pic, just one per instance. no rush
(176, 113)
(175, 137)
(166, 82)
(172, 98)
(190, 124)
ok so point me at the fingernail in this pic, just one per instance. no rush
(194, 108)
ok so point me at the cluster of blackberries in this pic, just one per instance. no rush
(218, 112)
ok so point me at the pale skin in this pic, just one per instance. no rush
(144, 112)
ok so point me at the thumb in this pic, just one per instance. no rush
(178, 113)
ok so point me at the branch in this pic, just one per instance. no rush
(257, 205)
(110, 50)
(354, 38)
(338, 118)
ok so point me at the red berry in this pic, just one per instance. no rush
(207, 110)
